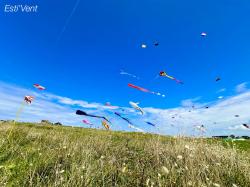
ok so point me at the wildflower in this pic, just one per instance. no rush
(102, 157)
(207, 179)
(187, 147)
(81, 177)
(147, 182)
(165, 170)
(186, 168)
(62, 171)
(40, 154)
(64, 147)
(124, 169)
(31, 164)
(234, 185)
(189, 183)
(216, 185)
(83, 167)
(176, 165)
(179, 157)
(159, 175)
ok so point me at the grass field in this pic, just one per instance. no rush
(35, 155)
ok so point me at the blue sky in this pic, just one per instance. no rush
(83, 61)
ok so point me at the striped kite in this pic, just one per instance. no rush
(145, 90)
(39, 87)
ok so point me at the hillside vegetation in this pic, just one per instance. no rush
(35, 155)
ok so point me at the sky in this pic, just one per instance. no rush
(77, 48)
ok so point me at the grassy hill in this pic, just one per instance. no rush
(35, 155)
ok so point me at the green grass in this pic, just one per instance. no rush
(35, 155)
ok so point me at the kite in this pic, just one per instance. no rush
(164, 74)
(150, 123)
(143, 46)
(200, 128)
(144, 90)
(128, 74)
(28, 99)
(217, 79)
(236, 116)
(87, 122)
(108, 104)
(79, 112)
(126, 119)
(136, 107)
(156, 44)
(220, 97)
(203, 34)
(105, 124)
(39, 87)
(247, 126)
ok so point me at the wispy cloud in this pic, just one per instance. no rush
(221, 90)
(190, 102)
(241, 87)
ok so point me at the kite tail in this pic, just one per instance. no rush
(19, 111)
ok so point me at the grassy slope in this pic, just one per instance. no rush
(32, 155)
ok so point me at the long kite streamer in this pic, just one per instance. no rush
(80, 112)
(145, 90)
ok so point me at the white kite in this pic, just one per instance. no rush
(136, 107)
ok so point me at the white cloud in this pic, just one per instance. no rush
(241, 87)
(190, 102)
(218, 118)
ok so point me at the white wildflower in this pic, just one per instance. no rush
(165, 170)
(62, 171)
(179, 157)
(216, 185)
(147, 182)
(187, 147)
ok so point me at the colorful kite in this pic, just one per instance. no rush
(145, 90)
(28, 99)
(39, 87)
(136, 107)
(80, 112)
(164, 74)
(143, 46)
(87, 122)
(128, 74)
(105, 124)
